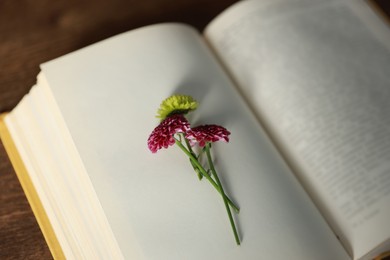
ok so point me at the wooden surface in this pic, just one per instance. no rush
(32, 32)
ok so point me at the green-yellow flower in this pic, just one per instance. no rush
(176, 104)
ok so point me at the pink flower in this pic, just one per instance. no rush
(207, 134)
(162, 135)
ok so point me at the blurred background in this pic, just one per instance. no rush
(32, 32)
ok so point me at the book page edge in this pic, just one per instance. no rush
(29, 190)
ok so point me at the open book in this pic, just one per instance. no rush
(302, 86)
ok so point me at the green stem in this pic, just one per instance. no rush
(211, 164)
(194, 155)
(204, 173)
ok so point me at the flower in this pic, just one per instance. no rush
(171, 112)
(207, 134)
(162, 135)
(176, 104)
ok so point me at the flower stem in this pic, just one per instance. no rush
(200, 175)
(211, 164)
(204, 173)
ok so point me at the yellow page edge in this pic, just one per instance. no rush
(29, 190)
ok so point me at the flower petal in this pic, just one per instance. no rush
(176, 104)
(207, 134)
(162, 135)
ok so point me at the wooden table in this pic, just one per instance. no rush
(32, 32)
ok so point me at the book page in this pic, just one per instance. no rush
(316, 73)
(55, 171)
(108, 95)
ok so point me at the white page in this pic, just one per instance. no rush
(108, 95)
(316, 72)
